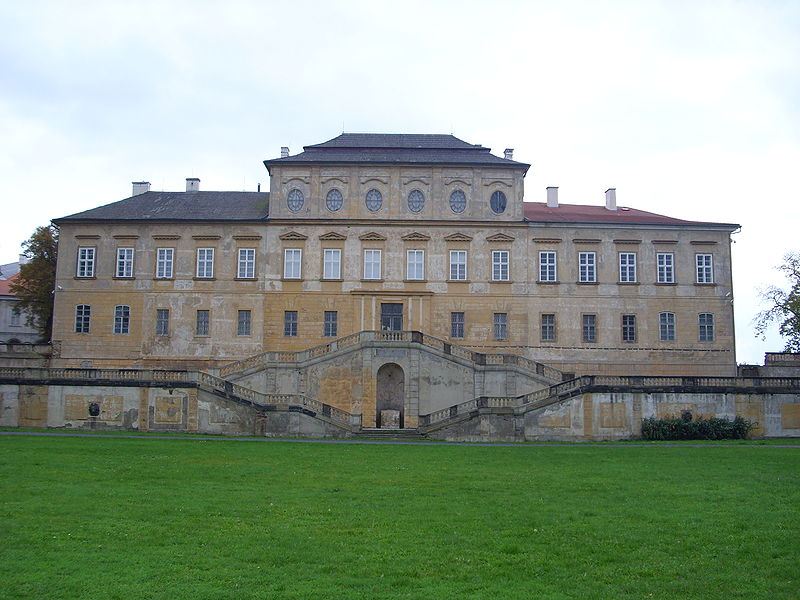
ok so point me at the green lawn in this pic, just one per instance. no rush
(143, 518)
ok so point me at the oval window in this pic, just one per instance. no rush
(458, 201)
(498, 202)
(295, 200)
(374, 200)
(416, 200)
(334, 200)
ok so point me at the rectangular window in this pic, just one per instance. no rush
(290, 323)
(292, 260)
(500, 326)
(457, 324)
(85, 262)
(164, 258)
(205, 263)
(587, 267)
(14, 318)
(83, 313)
(330, 327)
(247, 263)
(202, 322)
(665, 263)
(500, 265)
(627, 267)
(666, 326)
(548, 328)
(628, 328)
(705, 268)
(162, 321)
(547, 266)
(372, 264)
(458, 265)
(332, 263)
(705, 322)
(243, 322)
(415, 264)
(124, 262)
(590, 328)
(122, 318)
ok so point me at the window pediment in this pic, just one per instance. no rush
(332, 236)
(499, 237)
(372, 237)
(416, 237)
(292, 235)
(458, 237)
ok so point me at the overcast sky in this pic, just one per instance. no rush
(690, 109)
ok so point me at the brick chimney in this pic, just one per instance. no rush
(552, 197)
(192, 184)
(611, 199)
(140, 187)
(508, 153)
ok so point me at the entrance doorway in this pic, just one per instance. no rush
(391, 317)
(390, 396)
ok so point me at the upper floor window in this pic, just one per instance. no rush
(14, 318)
(705, 323)
(665, 264)
(501, 326)
(162, 321)
(666, 326)
(124, 262)
(164, 258)
(627, 267)
(415, 264)
(122, 318)
(292, 261)
(705, 268)
(458, 201)
(416, 201)
(373, 200)
(83, 313)
(85, 262)
(587, 267)
(498, 202)
(334, 200)
(547, 266)
(372, 264)
(247, 263)
(205, 263)
(295, 200)
(500, 265)
(331, 263)
(458, 265)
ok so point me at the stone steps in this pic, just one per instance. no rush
(373, 433)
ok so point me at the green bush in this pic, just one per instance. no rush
(687, 428)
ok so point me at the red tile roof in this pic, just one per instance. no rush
(582, 213)
(5, 284)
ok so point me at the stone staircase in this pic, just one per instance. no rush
(395, 435)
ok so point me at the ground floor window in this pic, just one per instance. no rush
(290, 323)
(243, 323)
(457, 324)
(122, 319)
(330, 326)
(500, 326)
(162, 321)
(202, 322)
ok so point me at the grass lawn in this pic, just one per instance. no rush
(144, 518)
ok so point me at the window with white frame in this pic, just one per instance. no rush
(83, 313)
(85, 262)
(458, 265)
(372, 264)
(124, 262)
(330, 325)
(590, 328)
(292, 262)
(202, 322)
(547, 266)
(247, 263)
(666, 326)
(629, 328)
(162, 321)
(587, 267)
(243, 322)
(205, 263)
(290, 323)
(548, 328)
(331, 263)
(457, 324)
(705, 324)
(627, 267)
(705, 268)
(122, 319)
(500, 265)
(501, 326)
(164, 258)
(415, 264)
(665, 265)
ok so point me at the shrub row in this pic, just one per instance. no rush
(687, 428)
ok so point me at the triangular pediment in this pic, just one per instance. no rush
(499, 237)
(332, 236)
(293, 235)
(458, 237)
(372, 237)
(416, 236)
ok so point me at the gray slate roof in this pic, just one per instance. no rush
(396, 148)
(9, 270)
(180, 206)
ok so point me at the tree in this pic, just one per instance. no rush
(784, 307)
(36, 282)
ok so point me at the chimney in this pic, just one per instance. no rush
(508, 153)
(552, 197)
(140, 187)
(284, 151)
(611, 199)
(192, 184)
